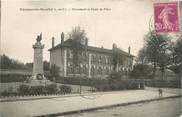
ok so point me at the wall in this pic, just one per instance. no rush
(56, 57)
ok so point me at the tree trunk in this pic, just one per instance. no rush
(162, 75)
(180, 75)
(154, 70)
(116, 67)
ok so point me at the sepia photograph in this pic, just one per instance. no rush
(82, 58)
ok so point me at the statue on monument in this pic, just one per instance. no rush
(39, 37)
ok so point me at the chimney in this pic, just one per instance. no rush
(62, 37)
(114, 46)
(129, 48)
(52, 42)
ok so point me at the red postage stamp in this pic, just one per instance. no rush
(166, 17)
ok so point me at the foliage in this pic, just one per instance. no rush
(24, 89)
(8, 94)
(6, 78)
(178, 51)
(102, 84)
(177, 54)
(114, 76)
(46, 65)
(78, 34)
(164, 84)
(51, 89)
(141, 71)
(175, 68)
(157, 50)
(29, 65)
(141, 59)
(120, 84)
(77, 80)
(79, 42)
(117, 58)
(63, 89)
(8, 63)
(37, 90)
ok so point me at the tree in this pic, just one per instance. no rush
(157, 50)
(79, 48)
(46, 65)
(178, 55)
(141, 59)
(78, 34)
(79, 44)
(29, 65)
(117, 58)
(9, 63)
(141, 67)
(141, 71)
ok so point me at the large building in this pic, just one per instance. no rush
(96, 62)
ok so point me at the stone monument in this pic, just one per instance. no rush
(38, 72)
(38, 58)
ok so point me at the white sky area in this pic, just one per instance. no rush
(125, 24)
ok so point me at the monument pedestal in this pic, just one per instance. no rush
(35, 82)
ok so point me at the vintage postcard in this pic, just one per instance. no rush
(82, 58)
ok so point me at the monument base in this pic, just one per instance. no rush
(33, 81)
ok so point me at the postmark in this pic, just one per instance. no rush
(166, 17)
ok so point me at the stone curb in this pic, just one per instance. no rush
(105, 107)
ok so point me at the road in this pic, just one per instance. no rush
(162, 108)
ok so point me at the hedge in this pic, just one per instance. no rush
(164, 84)
(37, 90)
(103, 84)
(82, 81)
(6, 78)
(63, 89)
(120, 85)
(26, 90)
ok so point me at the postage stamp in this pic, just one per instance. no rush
(166, 17)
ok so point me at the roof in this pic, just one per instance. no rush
(69, 43)
(66, 43)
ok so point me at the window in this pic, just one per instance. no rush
(92, 59)
(92, 70)
(100, 70)
(84, 69)
(100, 59)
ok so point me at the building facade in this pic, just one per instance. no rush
(95, 62)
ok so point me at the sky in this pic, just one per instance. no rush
(124, 22)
